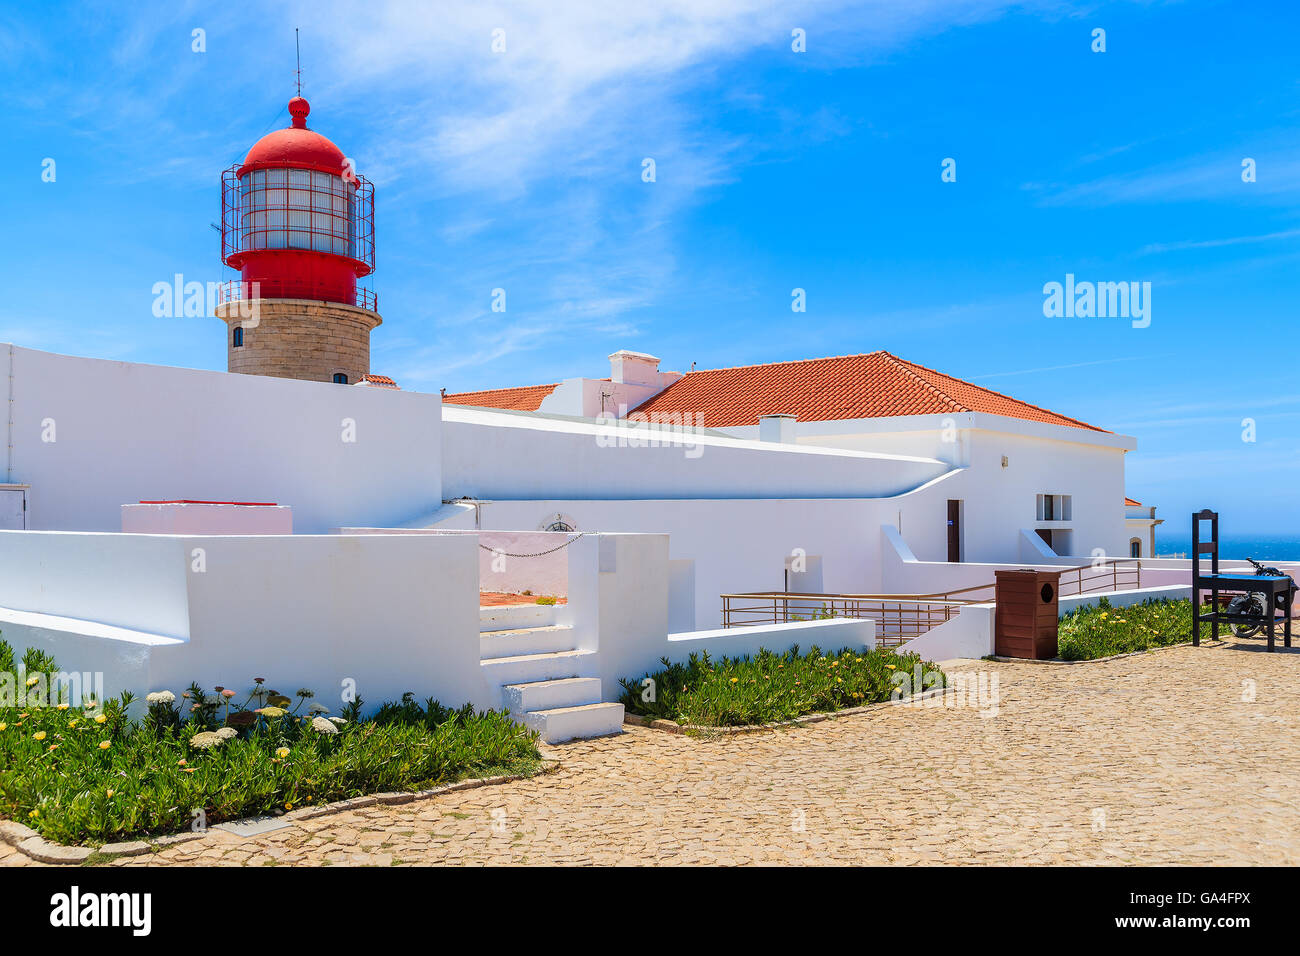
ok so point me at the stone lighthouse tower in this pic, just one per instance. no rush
(299, 225)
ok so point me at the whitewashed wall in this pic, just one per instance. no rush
(124, 432)
(489, 454)
(386, 613)
(618, 607)
(997, 501)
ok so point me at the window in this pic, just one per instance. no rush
(340, 378)
(1135, 548)
(238, 340)
(1055, 507)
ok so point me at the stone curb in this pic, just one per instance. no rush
(32, 844)
(672, 727)
(1101, 660)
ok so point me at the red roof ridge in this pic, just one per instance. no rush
(514, 398)
(1019, 401)
(824, 358)
(906, 368)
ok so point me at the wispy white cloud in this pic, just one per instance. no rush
(1214, 177)
(1181, 245)
(1057, 368)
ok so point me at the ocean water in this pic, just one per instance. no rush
(1259, 547)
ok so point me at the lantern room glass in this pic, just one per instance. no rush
(298, 209)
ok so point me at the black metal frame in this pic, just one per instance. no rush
(1272, 587)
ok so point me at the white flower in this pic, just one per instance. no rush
(206, 739)
(319, 709)
(161, 697)
(323, 726)
(225, 733)
(337, 721)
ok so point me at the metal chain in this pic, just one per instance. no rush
(539, 553)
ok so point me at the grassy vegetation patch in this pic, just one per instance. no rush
(89, 773)
(1100, 630)
(769, 687)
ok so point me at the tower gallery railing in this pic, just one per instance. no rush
(235, 289)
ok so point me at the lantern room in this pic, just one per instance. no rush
(299, 225)
(296, 220)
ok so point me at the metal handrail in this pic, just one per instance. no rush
(235, 290)
(900, 617)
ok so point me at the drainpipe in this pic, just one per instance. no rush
(9, 453)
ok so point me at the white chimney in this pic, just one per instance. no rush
(634, 368)
(777, 428)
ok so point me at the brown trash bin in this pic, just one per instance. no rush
(1024, 622)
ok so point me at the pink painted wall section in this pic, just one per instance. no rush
(510, 561)
(500, 568)
(206, 518)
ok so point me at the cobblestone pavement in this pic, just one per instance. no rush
(1149, 759)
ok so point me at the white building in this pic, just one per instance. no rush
(1006, 466)
(872, 475)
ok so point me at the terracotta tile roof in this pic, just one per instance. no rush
(378, 381)
(876, 385)
(524, 398)
(1132, 504)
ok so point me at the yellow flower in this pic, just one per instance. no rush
(39, 735)
(31, 681)
(282, 752)
(109, 793)
(104, 745)
(3, 725)
(101, 719)
(892, 667)
(735, 680)
(72, 724)
(34, 814)
(288, 806)
(63, 706)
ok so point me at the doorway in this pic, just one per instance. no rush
(13, 507)
(954, 530)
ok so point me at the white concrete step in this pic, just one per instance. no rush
(514, 616)
(549, 694)
(528, 668)
(517, 641)
(572, 723)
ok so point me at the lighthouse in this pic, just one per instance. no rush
(299, 226)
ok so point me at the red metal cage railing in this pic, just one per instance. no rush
(236, 290)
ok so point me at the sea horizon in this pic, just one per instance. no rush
(1272, 547)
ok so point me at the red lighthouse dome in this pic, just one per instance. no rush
(297, 222)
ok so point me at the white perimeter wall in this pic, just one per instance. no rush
(488, 454)
(125, 432)
(388, 613)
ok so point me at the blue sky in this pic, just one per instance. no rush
(819, 170)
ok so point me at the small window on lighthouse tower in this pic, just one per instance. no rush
(239, 336)
(340, 378)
